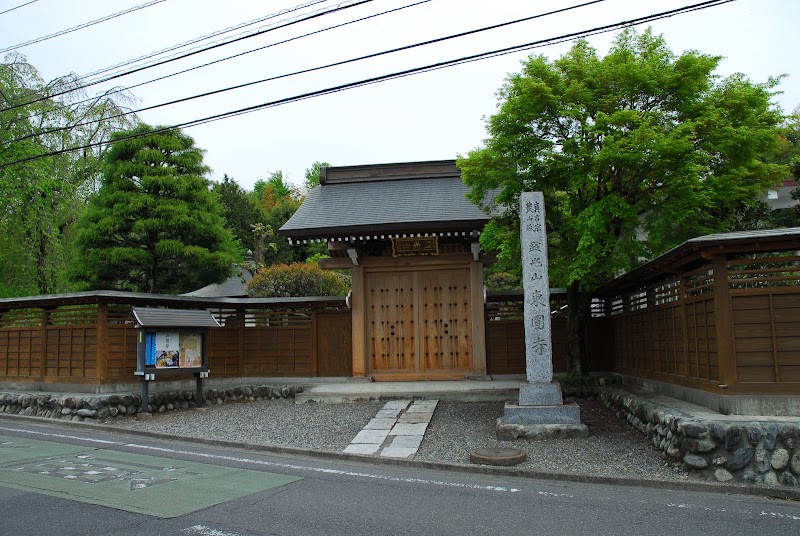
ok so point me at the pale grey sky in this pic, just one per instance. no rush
(429, 116)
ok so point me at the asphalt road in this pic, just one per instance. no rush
(67, 481)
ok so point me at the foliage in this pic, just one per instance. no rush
(503, 281)
(280, 200)
(788, 153)
(312, 174)
(295, 280)
(634, 153)
(154, 226)
(41, 198)
(242, 212)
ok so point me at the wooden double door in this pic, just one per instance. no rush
(419, 322)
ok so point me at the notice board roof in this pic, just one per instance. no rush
(149, 317)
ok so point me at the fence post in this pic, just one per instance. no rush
(358, 304)
(241, 314)
(314, 345)
(101, 354)
(726, 358)
(43, 360)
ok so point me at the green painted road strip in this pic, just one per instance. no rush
(132, 482)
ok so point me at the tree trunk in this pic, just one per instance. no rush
(577, 319)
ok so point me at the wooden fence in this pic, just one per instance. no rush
(88, 338)
(505, 333)
(719, 315)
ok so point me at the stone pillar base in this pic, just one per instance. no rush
(539, 432)
(551, 421)
(540, 394)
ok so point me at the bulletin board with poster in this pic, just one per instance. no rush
(171, 341)
(174, 349)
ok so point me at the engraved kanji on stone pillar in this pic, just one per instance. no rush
(539, 354)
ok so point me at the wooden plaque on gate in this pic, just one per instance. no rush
(407, 247)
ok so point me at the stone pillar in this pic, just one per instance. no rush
(541, 412)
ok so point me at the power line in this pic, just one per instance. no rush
(203, 65)
(318, 68)
(391, 76)
(17, 7)
(203, 38)
(340, 7)
(82, 26)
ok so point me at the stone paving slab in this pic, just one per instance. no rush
(362, 448)
(415, 417)
(396, 431)
(409, 428)
(397, 404)
(398, 452)
(375, 437)
(418, 408)
(380, 424)
(406, 441)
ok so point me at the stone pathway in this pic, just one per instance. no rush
(396, 431)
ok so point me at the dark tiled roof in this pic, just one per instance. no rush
(173, 318)
(386, 204)
(233, 287)
(697, 250)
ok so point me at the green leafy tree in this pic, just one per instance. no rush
(788, 154)
(41, 198)
(634, 152)
(280, 200)
(242, 212)
(312, 174)
(154, 226)
(295, 280)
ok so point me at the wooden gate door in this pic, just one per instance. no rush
(390, 322)
(446, 321)
(418, 323)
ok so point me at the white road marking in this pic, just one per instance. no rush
(275, 464)
(61, 436)
(208, 531)
(347, 473)
(326, 470)
(782, 516)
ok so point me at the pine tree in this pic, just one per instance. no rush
(154, 226)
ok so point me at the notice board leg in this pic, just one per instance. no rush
(145, 395)
(198, 394)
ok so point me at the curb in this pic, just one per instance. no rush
(705, 487)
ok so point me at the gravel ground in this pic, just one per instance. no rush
(612, 448)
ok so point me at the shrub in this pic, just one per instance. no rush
(503, 281)
(295, 280)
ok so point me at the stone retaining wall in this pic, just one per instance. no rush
(762, 452)
(103, 407)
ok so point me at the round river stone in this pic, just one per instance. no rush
(498, 456)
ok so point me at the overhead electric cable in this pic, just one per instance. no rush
(17, 7)
(340, 7)
(312, 69)
(203, 65)
(399, 74)
(203, 38)
(82, 26)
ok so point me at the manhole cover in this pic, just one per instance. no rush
(498, 456)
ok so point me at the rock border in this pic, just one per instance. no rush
(99, 408)
(758, 452)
